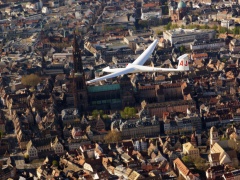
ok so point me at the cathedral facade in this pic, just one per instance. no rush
(177, 10)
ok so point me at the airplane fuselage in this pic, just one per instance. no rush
(139, 68)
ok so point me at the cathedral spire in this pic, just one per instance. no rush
(77, 57)
(79, 83)
(76, 46)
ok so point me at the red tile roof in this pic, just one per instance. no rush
(150, 5)
(181, 167)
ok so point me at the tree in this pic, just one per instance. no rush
(198, 162)
(182, 49)
(105, 116)
(215, 27)
(26, 158)
(236, 30)
(222, 29)
(168, 26)
(30, 80)
(165, 10)
(128, 112)
(188, 160)
(54, 163)
(113, 136)
(174, 26)
(96, 112)
(206, 26)
(143, 23)
(159, 32)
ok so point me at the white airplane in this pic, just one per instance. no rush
(137, 65)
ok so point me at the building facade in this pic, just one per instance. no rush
(158, 109)
(190, 150)
(183, 35)
(211, 44)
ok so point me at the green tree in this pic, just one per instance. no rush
(55, 163)
(174, 26)
(222, 29)
(198, 162)
(109, 28)
(105, 116)
(159, 32)
(206, 26)
(30, 80)
(113, 136)
(96, 112)
(224, 60)
(236, 30)
(182, 49)
(188, 160)
(26, 158)
(171, 26)
(193, 26)
(143, 23)
(168, 26)
(215, 27)
(128, 112)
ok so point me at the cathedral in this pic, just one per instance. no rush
(177, 10)
(109, 97)
(78, 80)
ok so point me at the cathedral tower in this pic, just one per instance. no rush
(127, 93)
(79, 83)
(213, 136)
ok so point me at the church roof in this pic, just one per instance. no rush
(181, 4)
(109, 87)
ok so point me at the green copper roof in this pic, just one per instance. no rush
(181, 4)
(108, 101)
(108, 87)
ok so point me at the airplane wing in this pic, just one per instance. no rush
(112, 75)
(145, 55)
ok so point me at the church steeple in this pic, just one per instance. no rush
(78, 66)
(79, 83)
(213, 136)
(77, 57)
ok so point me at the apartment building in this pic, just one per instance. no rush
(183, 35)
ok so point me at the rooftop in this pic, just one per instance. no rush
(109, 87)
(180, 31)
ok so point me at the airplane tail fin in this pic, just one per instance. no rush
(183, 63)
